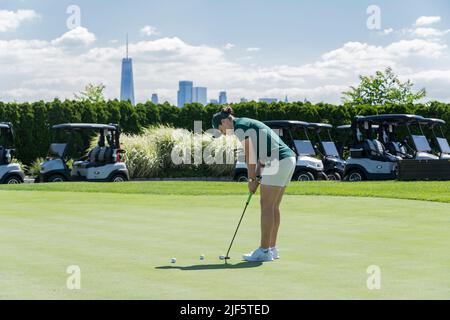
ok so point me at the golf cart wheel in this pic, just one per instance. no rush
(355, 176)
(13, 180)
(304, 176)
(242, 177)
(56, 178)
(334, 176)
(118, 178)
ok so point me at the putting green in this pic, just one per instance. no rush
(123, 244)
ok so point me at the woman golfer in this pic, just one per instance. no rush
(271, 163)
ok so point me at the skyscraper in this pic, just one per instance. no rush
(184, 94)
(199, 94)
(127, 83)
(155, 99)
(222, 97)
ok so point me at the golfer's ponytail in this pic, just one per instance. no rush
(227, 111)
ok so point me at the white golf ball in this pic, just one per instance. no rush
(202, 257)
(222, 257)
(173, 260)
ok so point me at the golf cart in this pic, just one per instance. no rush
(418, 162)
(369, 159)
(295, 135)
(10, 173)
(333, 163)
(392, 125)
(441, 143)
(102, 163)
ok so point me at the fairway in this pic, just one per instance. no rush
(123, 243)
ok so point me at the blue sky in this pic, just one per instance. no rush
(251, 48)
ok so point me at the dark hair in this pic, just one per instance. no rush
(224, 113)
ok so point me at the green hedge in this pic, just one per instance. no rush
(32, 121)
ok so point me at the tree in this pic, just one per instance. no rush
(92, 93)
(384, 87)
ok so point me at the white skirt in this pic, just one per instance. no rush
(278, 173)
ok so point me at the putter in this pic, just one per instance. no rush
(242, 216)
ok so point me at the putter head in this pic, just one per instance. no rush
(226, 259)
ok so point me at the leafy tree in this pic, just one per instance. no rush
(92, 93)
(384, 87)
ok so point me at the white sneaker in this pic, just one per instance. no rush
(259, 255)
(275, 253)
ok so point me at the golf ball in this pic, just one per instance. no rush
(173, 260)
(202, 257)
(222, 257)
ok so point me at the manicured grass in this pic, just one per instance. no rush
(123, 241)
(431, 191)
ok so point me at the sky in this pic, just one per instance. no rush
(311, 50)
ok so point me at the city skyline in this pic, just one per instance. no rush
(187, 93)
(312, 51)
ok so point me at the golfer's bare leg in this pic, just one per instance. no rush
(269, 196)
(277, 218)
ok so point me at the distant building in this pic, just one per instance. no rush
(223, 97)
(268, 100)
(155, 99)
(184, 94)
(214, 101)
(127, 82)
(199, 94)
(286, 99)
(244, 100)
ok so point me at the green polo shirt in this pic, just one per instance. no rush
(245, 127)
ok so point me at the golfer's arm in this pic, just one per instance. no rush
(250, 158)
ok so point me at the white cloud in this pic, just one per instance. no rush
(36, 69)
(427, 20)
(149, 31)
(429, 32)
(417, 47)
(253, 49)
(11, 20)
(432, 75)
(79, 36)
(228, 46)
